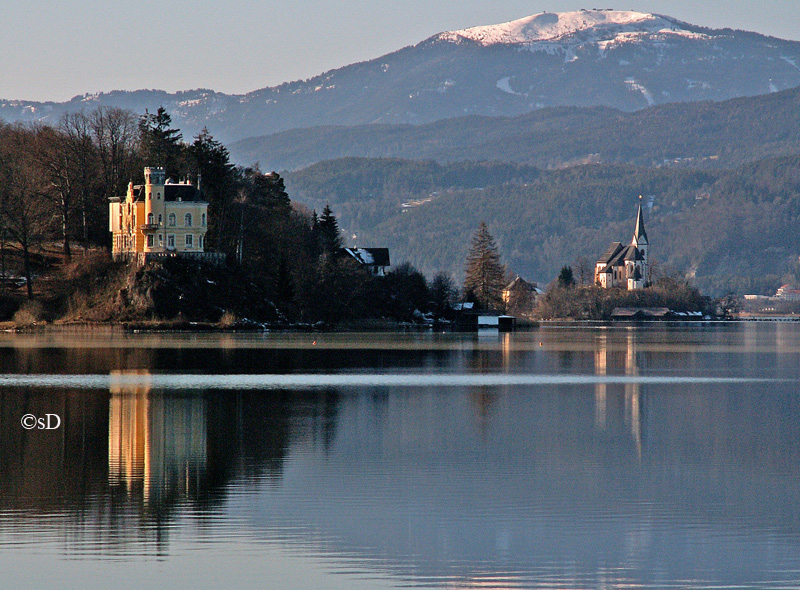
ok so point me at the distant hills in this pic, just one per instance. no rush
(732, 230)
(706, 134)
(620, 59)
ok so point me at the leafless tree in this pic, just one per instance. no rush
(25, 211)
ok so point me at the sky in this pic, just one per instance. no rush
(54, 50)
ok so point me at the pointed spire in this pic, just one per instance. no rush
(639, 235)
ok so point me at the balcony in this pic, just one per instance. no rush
(149, 226)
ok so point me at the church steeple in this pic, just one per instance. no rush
(641, 243)
(639, 235)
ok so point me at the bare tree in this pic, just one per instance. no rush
(584, 270)
(76, 130)
(24, 209)
(115, 132)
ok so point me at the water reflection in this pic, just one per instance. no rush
(577, 484)
(611, 359)
(156, 443)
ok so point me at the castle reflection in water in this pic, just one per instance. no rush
(157, 444)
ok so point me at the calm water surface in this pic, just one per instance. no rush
(654, 457)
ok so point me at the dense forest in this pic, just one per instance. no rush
(730, 230)
(703, 134)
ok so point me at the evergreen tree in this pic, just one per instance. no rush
(267, 190)
(566, 278)
(160, 144)
(330, 238)
(485, 274)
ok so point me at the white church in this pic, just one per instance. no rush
(625, 266)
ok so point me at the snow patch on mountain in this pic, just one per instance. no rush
(636, 86)
(617, 26)
(503, 85)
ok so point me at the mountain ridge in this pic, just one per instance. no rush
(708, 134)
(439, 78)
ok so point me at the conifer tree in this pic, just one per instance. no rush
(330, 238)
(160, 144)
(485, 275)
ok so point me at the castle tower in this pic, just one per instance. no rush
(154, 180)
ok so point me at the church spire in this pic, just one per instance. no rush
(639, 235)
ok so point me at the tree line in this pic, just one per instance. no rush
(55, 183)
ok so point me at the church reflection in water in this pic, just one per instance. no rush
(157, 444)
(618, 358)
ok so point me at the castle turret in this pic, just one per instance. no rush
(153, 208)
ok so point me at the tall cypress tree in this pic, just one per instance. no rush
(485, 275)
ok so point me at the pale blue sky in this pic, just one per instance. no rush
(53, 50)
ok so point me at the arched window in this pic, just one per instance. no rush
(172, 220)
(203, 219)
(149, 218)
(187, 220)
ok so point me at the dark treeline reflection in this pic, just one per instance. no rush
(221, 359)
(132, 455)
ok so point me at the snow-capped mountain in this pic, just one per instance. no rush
(570, 29)
(623, 59)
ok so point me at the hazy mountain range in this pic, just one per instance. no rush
(700, 134)
(620, 59)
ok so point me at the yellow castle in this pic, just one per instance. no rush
(160, 217)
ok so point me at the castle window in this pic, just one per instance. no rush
(187, 220)
(172, 220)
(149, 218)
(189, 240)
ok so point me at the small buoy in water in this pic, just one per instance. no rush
(540, 344)
(314, 343)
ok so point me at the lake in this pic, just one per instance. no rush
(663, 456)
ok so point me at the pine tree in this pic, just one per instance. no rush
(330, 238)
(160, 144)
(485, 274)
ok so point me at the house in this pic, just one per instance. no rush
(160, 217)
(376, 260)
(625, 266)
(520, 290)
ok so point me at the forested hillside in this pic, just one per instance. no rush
(706, 134)
(733, 230)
